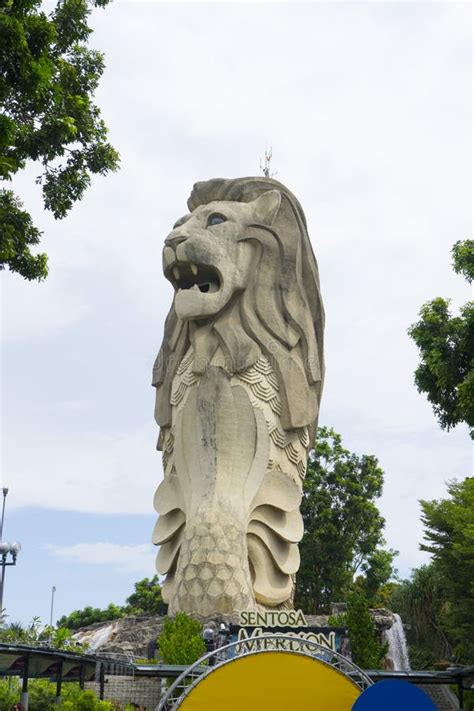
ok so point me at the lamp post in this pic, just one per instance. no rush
(6, 550)
(5, 492)
(53, 590)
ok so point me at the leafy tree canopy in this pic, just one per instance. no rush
(181, 641)
(449, 532)
(343, 527)
(367, 652)
(420, 603)
(146, 600)
(35, 633)
(437, 602)
(47, 81)
(446, 344)
(89, 615)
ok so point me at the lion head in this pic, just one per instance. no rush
(245, 275)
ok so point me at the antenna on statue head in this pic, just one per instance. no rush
(265, 168)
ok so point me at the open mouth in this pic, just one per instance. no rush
(194, 277)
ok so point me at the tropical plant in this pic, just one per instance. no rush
(343, 529)
(48, 77)
(446, 344)
(146, 600)
(90, 615)
(181, 641)
(367, 652)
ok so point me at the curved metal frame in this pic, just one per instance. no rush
(196, 672)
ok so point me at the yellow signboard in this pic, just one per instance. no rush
(272, 681)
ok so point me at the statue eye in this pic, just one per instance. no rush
(215, 219)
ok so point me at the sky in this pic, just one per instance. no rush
(367, 107)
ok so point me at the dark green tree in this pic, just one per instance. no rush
(89, 615)
(446, 344)
(438, 600)
(421, 604)
(377, 570)
(181, 641)
(449, 532)
(48, 77)
(146, 600)
(367, 652)
(343, 527)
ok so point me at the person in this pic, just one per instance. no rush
(208, 637)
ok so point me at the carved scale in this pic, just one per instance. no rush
(241, 547)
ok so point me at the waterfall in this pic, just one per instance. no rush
(397, 645)
(94, 639)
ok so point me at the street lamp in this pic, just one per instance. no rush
(6, 550)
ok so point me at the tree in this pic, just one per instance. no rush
(378, 569)
(47, 81)
(367, 652)
(420, 603)
(438, 600)
(446, 344)
(449, 532)
(90, 615)
(343, 527)
(181, 641)
(146, 600)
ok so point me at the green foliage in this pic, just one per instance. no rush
(9, 693)
(421, 605)
(377, 569)
(90, 615)
(47, 81)
(463, 259)
(343, 527)
(339, 620)
(18, 633)
(146, 600)
(34, 634)
(42, 698)
(449, 530)
(446, 344)
(181, 641)
(437, 602)
(367, 652)
(42, 695)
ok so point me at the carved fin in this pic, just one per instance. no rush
(288, 524)
(168, 496)
(167, 589)
(285, 555)
(168, 553)
(278, 490)
(167, 525)
(271, 587)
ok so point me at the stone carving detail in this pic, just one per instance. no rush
(238, 380)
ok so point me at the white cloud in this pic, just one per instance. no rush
(136, 558)
(93, 472)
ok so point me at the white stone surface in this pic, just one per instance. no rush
(238, 379)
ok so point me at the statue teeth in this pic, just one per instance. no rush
(195, 288)
(176, 273)
(194, 269)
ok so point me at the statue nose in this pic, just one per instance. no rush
(174, 240)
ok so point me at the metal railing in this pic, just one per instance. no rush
(256, 645)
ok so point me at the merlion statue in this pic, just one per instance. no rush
(238, 383)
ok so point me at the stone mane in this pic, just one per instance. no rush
(238, 379)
